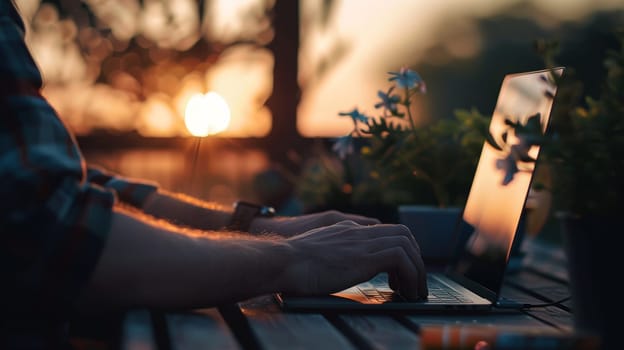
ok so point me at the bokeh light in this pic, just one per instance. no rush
(206, 114)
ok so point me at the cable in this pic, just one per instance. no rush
(510, 304)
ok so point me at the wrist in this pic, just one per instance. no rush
(245, 213)
(187, 211)
(262, 225)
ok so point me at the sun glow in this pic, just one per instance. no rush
(207, 114)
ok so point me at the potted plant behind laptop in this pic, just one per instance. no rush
(587, 157)
(421, 173)
(584, 151)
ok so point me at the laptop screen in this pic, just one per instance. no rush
(501, 183)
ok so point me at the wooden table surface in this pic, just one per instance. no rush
(259, 323)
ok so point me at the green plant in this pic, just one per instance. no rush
(390, 160)
(587, 148)
(584, 149)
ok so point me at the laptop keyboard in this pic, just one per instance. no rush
(378, 296)
(441, 293)
(438, 293)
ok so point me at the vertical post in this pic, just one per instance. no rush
(284, 140)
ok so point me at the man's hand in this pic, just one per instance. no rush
(332, 258)
(290, 226)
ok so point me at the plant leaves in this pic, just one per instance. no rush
(490, 139)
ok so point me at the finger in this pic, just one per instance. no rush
(379, 237)
(408, 276)
(350, 230)
(334, 216)
(408, 233)
(393, 281)
(416, 257)
(363, 220)
(342, 231)
(387, 242)
(420, 276)
(407, 263)
(400, 230)
(347, 223)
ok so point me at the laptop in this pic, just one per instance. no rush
(487, 226)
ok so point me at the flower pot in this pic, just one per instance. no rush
(437, 232)
(594, 270)
(433, 228)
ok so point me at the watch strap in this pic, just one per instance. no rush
(245, 212)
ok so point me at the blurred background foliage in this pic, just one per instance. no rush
(119, 73)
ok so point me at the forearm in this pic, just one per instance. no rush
(150, 266)
(186, 211)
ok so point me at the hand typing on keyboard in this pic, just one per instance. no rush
(335, 257)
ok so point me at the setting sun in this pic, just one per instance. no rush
(206, 114)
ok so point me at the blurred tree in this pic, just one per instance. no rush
(284, 142)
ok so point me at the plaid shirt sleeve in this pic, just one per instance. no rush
(128, 190)
(53, 223)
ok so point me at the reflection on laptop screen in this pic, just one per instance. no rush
(501, 182)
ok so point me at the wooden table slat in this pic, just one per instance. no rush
(202, 329)
(503, 318)
(546, 258)
(381, 332)
(283, 330)
(538, 286)
(552, 315)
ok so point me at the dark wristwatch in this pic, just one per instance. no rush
(245, 212)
